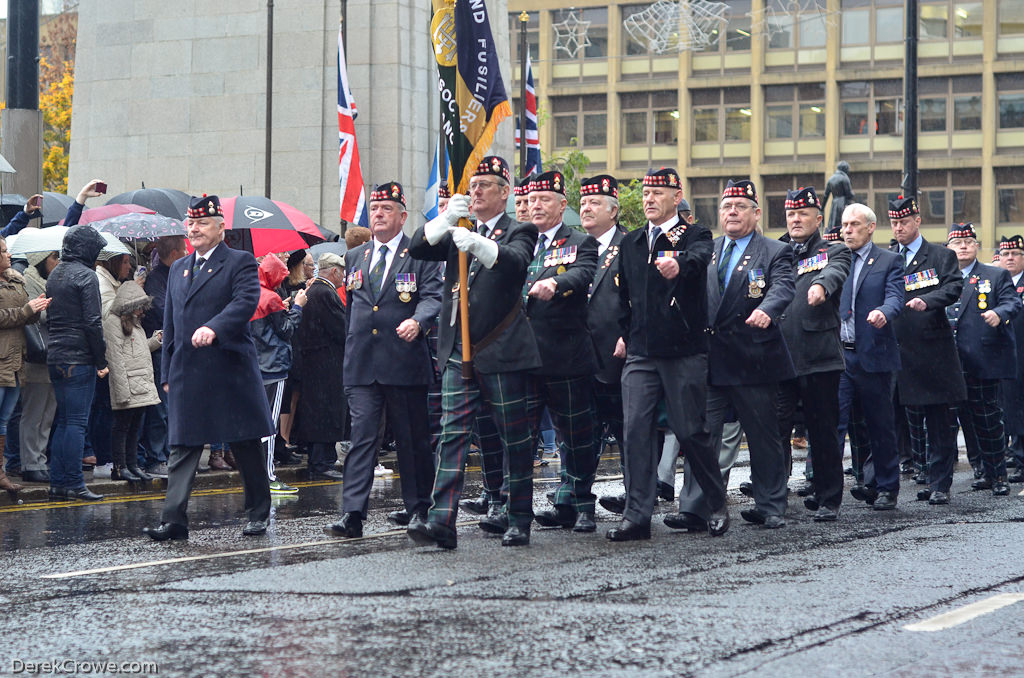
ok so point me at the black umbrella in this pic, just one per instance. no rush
(169, 202)
(55, 207)
(11, 204)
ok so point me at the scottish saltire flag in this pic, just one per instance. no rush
(438, 174)
(350, 176)
(533, 162)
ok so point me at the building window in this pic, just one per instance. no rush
(949, 197)
(1011, 17)
(866, 22)
(532, 38)
(580, 121)
(773, 196)
(593, 24)
(959, 95)
(736, 29)
(721, 114)
(792, 110)
(871, 108)
(941, 19)
(650, 118)
(1010, 87)
(1010, 181)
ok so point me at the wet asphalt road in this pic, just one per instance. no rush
(807, 600)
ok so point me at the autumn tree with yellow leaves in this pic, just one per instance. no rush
(56, 88)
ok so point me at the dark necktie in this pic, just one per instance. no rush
(846, 299)
(723, 265)
(377, 273)
(906, 258)
(196, 267)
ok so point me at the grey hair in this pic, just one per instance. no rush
(864, 211)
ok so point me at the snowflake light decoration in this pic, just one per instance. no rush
(674, 26)
(571, 35)
(812, 13)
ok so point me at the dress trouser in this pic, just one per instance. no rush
(38, 406)
(181, 473)
(681, 382)
(754, 404)
(867, 396)
(933, 435)
(819, 392)
(406, 412)
(461, 399)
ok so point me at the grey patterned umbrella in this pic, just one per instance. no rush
(139, 226)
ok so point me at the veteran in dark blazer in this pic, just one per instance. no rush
(871, 299)
(810, 325)
(750, 283)
(988, 351)
(931, 381)
(503, 349)
(210, 369)
(662, 322)
(1011, 388)
(392, 301)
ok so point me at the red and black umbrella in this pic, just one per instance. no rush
(169, 202)
(263, 226)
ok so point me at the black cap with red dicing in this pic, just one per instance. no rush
(389, 191)
(666, 177)
(833, 234)
(802, 197)
(602, 184)
(903, 207)
(740, 189)
(549, 181)
(206, 206)
(443, 191)
(961, 231)
(523, 187)
(1014, 242)
(495, 165)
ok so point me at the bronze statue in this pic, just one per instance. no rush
(841, 191)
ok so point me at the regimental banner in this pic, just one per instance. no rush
(473, 98)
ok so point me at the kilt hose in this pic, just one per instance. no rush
(461, 400)
(570, 401)
(981, 419)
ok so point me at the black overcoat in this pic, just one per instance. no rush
(987, 352)
(603, 311)
(320, 341)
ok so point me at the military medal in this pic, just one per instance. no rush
(355, 280)
(671, 254)
(755, 283)
(984, 287)
(405, 283)
(815, 263)
(560, 270)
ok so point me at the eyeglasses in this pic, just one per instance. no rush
(738, 206)
(481, 185)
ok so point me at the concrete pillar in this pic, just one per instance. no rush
(22, 146)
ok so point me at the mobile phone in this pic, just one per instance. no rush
(36, 201)
(140, 272)
(100, 187)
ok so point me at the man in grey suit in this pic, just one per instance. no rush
(750, 284)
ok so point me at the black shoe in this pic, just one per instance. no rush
(139, 473)
(585, 523)
(350, 526)
(848, 471)
(429, 533)
(811, 503)
(685, 521)
(806, 489)
(718, 522)
(907, 468)
(516, 536)
(615, 504)
(824, 514)
(921, 478)
(123, 473)
(35, 476)
(418, 518)
(560, 516)
(864, 493)
(938, 498)
(83, 493)
(401, 518)
(979, 472)
(886, 501)
(1000, 488)
(1017, 476)
(666, 491)
(329, 474)
(288, 459)
(924, 494)
(747, 488)
(58, 493)
(774, 522)
(475, 506)
(254, 528)
(496, 520)
(166, 531)
(755, 516)
(982, 484)
(629, 531)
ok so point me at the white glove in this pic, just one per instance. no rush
(470, 242)
(435, 229)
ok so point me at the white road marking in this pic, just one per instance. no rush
(966, 613)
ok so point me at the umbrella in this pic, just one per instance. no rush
(51, 239)
(170, 202)
(139, 226)
(11, 204)
(106, 211)
(6, 167)
(338, 247)
(262, 226)
(55, 206)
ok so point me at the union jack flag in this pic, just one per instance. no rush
(533, 162)
(350, 175)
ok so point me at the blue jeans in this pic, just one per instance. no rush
(73, 387)
(8, 401)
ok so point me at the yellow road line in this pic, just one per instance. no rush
(966, 613)
(229, 554)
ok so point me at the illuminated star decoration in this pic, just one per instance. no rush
(765, 21)
(571, 35)
(667, 26)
